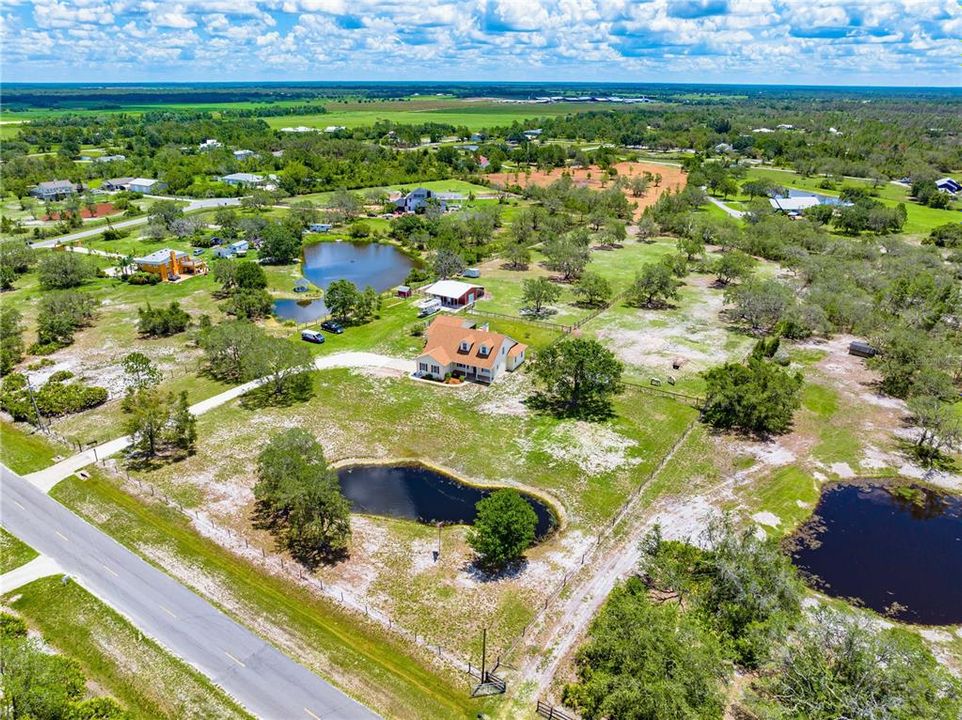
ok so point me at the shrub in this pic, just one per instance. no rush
(143, 278)
(60, 398)
(162, 322)
(757, 397)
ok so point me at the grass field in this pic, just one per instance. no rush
(13, 552)
(116, 658)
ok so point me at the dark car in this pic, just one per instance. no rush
(312, 336)
(332, 327)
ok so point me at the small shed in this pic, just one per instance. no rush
(861, 348)
(471, 273)
(403, 291)
(302, 285)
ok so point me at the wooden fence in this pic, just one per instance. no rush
(551, 712)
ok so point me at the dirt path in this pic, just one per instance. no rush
(562, 629)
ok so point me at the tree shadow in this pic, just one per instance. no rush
(264, 396)
(482, 574)
(597, 410)
(264, 517)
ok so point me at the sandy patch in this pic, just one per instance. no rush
(672, 178)
(592, 447)
(766, 518)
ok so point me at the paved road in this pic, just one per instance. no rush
(80, 234)
(262, 679)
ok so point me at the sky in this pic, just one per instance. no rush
(804, 42)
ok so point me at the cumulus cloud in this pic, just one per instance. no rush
(810, 41)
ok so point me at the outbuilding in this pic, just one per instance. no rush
(454, 293)
(403, 291)
(146, 185)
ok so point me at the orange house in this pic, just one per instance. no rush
(170, 264)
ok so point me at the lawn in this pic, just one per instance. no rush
(116, 658)
(13, 552)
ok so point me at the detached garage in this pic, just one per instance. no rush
(454, 293)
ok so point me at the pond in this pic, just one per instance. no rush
(380, 266)
(411, 491)
(897, 552)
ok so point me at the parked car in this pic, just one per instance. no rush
(332, 326)
(198, 251)
(312, 336)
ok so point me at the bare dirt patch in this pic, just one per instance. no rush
(672, 178)
(99, 210)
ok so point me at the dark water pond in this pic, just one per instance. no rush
(380, 266)
(416, 492)
(896, 555)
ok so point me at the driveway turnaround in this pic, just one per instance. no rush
(262, 679)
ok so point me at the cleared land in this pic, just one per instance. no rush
(672, 178)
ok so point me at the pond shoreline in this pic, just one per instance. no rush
(549, 501)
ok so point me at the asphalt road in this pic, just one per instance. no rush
(202, 204)
(262, 679)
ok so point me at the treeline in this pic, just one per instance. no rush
(889, 136)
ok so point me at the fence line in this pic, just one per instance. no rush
(550, 712)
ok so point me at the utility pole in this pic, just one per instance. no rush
(484, 653)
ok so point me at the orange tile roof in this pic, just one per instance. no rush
(517, 349)
(447, 332)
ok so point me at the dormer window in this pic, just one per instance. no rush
(483, 351)
(465, 346)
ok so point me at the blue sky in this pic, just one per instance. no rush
(820, 42)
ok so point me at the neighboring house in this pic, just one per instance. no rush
(240, 247)
(243, 179)
(210, 144)
(456, 347)
(483, 162)
(146, 185)
(793, 205)
(334, 128)
(417, 199)
(533, 134)
(298, 129)
(110, 158)
(762, 130)
(170, 264)
(785, 126)
(949, 185)
(54, 190)
(243, 154)
(117, 183)
(319, 227)
(454, 293)
(723, 148)
(471, 273)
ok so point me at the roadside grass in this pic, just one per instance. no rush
(14, 552)
(24, 452)
(364, 660)
(116, 658)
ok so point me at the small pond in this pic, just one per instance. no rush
(897, 552)
(374, 264)
(412, 491)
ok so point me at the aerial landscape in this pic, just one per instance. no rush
(578, 361)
